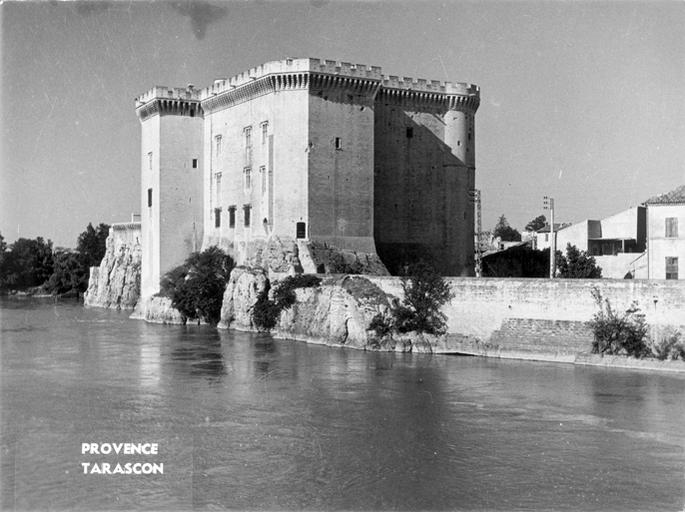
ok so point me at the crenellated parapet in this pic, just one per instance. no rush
(169, 101)
(298, 74)
(442, 95)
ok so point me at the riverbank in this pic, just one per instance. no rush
(532, 319)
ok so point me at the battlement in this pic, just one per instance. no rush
(288, 66)
(159, 92)
(343, 69)
(421, 84)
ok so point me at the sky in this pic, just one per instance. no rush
(583, 102)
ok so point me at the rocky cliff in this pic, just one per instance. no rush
(157, 310)
(116, 282)
(338, 312)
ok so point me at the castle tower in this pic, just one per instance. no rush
(171, 180)
(424, 162)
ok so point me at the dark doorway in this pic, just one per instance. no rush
(301, 230)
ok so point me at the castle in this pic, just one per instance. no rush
(331, 161)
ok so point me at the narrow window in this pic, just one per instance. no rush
(265, 131)
(300, 230)
(149, 197)
(149, 160)
(671, 267)
(246, 212)
(217, 187)
(194, 163)
(217, 142)
(217, 217)
(410, 132)
(338, 143)
(247, 178)
(672, 227)
(262, 177)
(248, 144)
(231, 216)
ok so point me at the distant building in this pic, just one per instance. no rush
(310, 152)
(666, 235)
(617, 242)
(542, 237)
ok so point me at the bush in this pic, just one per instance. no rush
(616, 333)
(265, 312)
(425, 291)
(667, 344)
(196, 288)
(381, 325)
(577, 264)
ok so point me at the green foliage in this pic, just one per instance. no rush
(537, 223)
(618, 333)
(27, 264)
(196, 288)
(69, 274)
(266, 311)
(577, 264)
(425, 291)
(91, 244)
(505, 232)
(667, 344)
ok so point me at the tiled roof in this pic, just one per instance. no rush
(673, 197)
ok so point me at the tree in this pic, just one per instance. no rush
(577, 264)
(69, 274)
(28, 263)
(425, 292)
(197, 287)
(505, 232)
(92, 244)
(537, 223)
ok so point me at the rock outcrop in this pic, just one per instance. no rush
(116, 282)
(157, 310)
(338, 312)
(240, 296)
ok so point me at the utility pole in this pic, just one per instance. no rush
(475, 199)
(548, 204)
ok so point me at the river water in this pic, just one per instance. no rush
(243, 421)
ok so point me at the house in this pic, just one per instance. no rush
(666, 235)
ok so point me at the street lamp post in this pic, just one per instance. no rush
(548, 204)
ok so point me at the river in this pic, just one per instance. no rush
(243, 421)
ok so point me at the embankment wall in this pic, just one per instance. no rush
(542, 318)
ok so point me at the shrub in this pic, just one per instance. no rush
(667, 344)
(381, 325)
(616, 333)
(196, 288)
(577, 264)
(425, 291)
(266, 311)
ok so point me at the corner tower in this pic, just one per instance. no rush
(171, 180)
(424, 169)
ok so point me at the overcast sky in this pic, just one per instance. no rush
(584, 102)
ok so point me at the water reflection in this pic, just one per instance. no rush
(198, 351)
